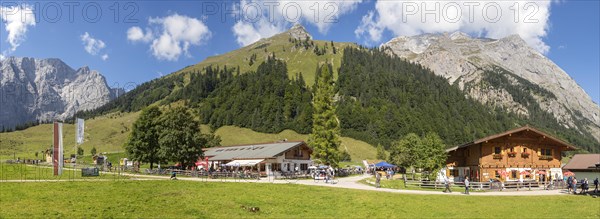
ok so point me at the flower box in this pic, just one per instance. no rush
(497, 156)
(525, 154)
(512, 154)
(545, 157)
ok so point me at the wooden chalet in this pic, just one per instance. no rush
(517, 155)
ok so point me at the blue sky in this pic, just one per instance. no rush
(161, 37)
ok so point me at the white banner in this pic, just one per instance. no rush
(57, 152)
(61, 156)
(79, 131)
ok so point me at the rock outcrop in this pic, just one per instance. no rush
(471, 63)
(47, 89)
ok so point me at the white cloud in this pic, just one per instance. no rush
(136, 33)
(91, 45)
(175, 35)
(265, 18)
(322, 14)
(104, 57)
(17, 20)
(481, 18)
(248, 33)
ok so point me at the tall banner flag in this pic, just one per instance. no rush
(57, 155)
(79, 131)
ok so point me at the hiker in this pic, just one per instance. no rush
(467, 185)
(584, 186)
(596, 185)
(569, 184)
(447, 184)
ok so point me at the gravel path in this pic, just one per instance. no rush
(346, 182)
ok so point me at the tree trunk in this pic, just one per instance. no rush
(151, 165)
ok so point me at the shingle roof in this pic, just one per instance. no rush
(524, 128)
(583, 162)
(254, 151)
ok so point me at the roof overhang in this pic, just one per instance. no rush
(510, 132)
(244, 163)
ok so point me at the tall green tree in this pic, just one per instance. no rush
(405, 152)
(427, 152)
(180, 138)
(325, 136)
(381, 155)
(143, 141)
(435, 152)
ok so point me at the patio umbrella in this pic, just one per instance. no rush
(569, 173)
(541, 172)
(502, 173)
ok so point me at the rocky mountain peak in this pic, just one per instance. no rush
(48, 89)
(472, 62)
(299, 32)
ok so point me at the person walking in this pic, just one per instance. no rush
(574, 185)
(569, 184)
(447, 184)
(596, 185)
(467, 185)
(377, 179)
(585, 186)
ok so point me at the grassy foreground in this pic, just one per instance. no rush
(175, 199)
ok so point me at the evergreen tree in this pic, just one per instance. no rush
(93, 151)
(143, 141)
(80, 151)
(325, 136)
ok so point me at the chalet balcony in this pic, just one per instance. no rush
(497, 156)
(545, 157)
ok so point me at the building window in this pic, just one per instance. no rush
(497, 150)
(454, 173)
(513, 174)
(497, 174)
(303, 166)
(546, 154)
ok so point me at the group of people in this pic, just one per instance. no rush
(585, 186)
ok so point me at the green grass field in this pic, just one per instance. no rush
(41, 172)
(184, 199)
(109, 133)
